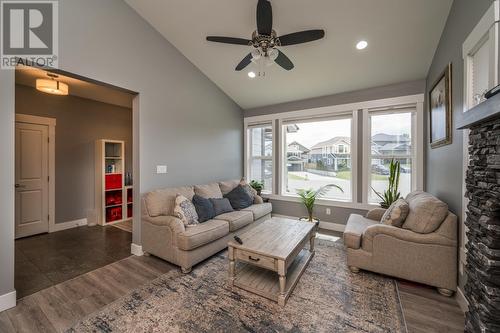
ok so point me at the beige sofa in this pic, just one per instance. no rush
(165, 236)
(428, 256)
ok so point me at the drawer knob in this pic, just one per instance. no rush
(253, 259)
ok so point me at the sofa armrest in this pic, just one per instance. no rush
(375, 214)
(403, 234)
(175, 224)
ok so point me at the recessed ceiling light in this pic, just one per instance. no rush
(362, 45)
(251, 75)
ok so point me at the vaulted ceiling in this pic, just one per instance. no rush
(402, 37)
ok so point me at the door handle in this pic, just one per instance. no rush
(19, 186)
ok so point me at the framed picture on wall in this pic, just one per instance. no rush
(440, 116)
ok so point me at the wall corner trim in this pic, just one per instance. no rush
(7, 301)
(136, 250)
(462, 301)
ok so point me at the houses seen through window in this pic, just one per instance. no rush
(390, 139)
(317, 153)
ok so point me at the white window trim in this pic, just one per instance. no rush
(277, 120)
(417, 133)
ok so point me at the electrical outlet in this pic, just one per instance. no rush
(161, 169)
(328, 211)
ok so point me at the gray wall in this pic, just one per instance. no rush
(185, 120)
(80, 122)
(444, 165)
(338, 215)
(389, 91)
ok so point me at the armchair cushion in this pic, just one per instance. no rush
(356, 226)
(376, 214)
(426, 212)
(396, 214)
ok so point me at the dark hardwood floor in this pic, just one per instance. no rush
(48, 259)
(59, 306)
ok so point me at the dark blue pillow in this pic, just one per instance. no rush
(239, 198)
(221, 206)
(204, 208)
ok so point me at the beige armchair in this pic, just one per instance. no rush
(429, 258)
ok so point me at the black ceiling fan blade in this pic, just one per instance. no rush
(229, 40)
(301, 37)
(264, 18)
(244, 63)
(283, 61)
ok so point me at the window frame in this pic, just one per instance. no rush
(417, 133)
(351, 115)
(357, 109)
(248, 152)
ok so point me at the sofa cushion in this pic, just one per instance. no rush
(208, 191)
(228, 185)
(162, 201)
(204, 208)
(185, 210)
(239, 198)
(221, 206)
(396, 214)
(426, 212)
(236, 219)
(356, 226)
(259, 210)
(200, 234)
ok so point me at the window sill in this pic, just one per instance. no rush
(323, 202)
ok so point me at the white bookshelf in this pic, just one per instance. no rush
(113, 200)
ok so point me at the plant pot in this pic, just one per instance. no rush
(383, 205)
(259, 192)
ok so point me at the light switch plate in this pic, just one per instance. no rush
(161, 169)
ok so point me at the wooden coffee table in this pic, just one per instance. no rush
(277, 245)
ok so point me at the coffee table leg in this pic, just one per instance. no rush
(311, 241)
(282, 296)
(231, 266)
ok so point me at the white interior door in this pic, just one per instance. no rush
(32, 179)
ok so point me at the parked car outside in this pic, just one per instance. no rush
(380, 169)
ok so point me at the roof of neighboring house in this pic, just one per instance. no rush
(333, 141)
(394, 146)
(294, 158)
(302, 148)
(382, 137)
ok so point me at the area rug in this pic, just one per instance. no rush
(327, 298)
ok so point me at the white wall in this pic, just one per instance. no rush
(185, 121)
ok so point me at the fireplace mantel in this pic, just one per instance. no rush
(485, 111)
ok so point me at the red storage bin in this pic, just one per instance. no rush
(114, 198)
(113, 214)
(113, 181)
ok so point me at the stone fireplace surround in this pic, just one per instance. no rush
(482, 289)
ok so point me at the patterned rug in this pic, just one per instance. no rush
(327, 298)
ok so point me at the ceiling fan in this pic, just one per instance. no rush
(265, 40)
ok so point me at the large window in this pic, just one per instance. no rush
(318, 153)
(260, 168)
(390, 139)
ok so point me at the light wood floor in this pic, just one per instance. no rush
(56, 308)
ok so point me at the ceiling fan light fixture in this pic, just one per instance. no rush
(361, 45)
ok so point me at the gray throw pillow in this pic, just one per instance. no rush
(239, 198)
(396, 214)
(221, 206)
(204, 208)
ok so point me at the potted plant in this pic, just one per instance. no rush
(392, 193)
(308, 198)
(257, 185)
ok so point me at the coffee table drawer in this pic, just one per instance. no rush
(256, 259)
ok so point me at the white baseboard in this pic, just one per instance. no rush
(136, 250)
(462, 301)
(67, 225)
(322, 224)
(7, 301)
